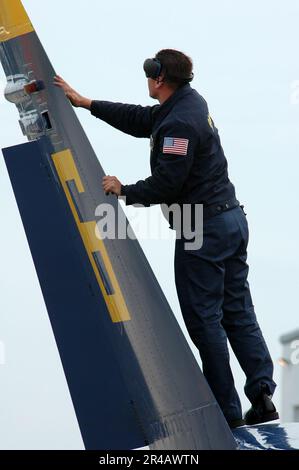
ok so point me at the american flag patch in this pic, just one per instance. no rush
(175, 145)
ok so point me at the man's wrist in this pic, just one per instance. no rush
(85, 103)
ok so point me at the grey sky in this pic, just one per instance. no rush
(246, 63)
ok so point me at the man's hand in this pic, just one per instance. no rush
(111, 185)
(77, 100)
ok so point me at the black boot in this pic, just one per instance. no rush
(236, 423)
(262, 409)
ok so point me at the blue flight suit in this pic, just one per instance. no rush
(211, 282)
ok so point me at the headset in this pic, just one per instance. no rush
(153, 68)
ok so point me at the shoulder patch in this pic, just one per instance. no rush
(175, 145)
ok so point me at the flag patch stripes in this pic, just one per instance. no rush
(175, 145)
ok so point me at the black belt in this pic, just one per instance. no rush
(214, 209)
(208, 211)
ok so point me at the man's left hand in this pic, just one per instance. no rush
(111, 185)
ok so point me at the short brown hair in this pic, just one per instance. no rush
(176, 66)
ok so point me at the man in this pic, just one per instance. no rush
(189, 167)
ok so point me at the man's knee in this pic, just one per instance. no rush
(206, 335)
(242, 316)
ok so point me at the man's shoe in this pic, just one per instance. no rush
(262, 409)
(236, 423)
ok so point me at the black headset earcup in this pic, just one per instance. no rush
(152, 68)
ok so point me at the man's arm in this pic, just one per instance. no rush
(175, 159)
(132, 119)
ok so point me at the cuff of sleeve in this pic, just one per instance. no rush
(122, 190)
(124, 195)
(94, 108)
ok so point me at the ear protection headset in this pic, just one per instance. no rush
(153, 69)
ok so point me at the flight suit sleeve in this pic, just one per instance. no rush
(132, 119)
(177, 146)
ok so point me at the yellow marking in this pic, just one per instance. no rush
(14, 20)
(67, 170)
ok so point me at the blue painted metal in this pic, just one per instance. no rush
(78, 314)
(271, 436)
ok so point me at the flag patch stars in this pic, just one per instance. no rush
(175, 145)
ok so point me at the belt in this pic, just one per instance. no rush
(219, 207)
(208, 211)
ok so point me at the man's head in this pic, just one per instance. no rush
(168, 70)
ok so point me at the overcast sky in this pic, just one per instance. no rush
(246, 66)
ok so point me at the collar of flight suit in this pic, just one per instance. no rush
(162, 110)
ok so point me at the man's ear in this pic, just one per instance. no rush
(160, 80)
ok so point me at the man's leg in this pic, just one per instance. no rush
(199, 276)
(239, 319)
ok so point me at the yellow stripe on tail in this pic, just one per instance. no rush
(67, 171)
(14, 20)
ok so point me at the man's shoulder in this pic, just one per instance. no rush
(178, 124)
(190, 109)
(194, 100)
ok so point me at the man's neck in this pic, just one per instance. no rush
(165, 95)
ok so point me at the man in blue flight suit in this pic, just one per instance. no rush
(189, 167)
